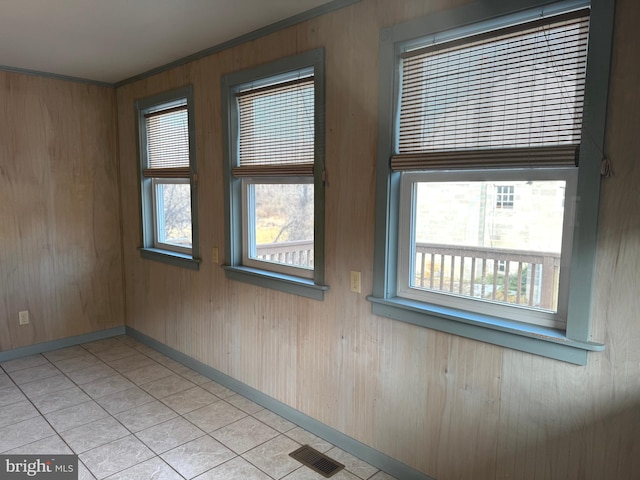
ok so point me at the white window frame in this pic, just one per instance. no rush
(248, 222)
(523, 314)
(505, 200)
(152, 247)
(574, 342)
(238, 266)
(158, 220)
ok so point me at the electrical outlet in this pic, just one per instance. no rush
(23, 317)
(214, 255)
(355, 282)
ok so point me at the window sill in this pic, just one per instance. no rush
(277, 281)
(544, 341)
(171, 258)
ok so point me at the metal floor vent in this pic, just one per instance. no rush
(316, 461)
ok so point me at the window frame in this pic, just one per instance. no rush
(505, 200)
(248, 221)
(158, 242)
(514, 313)
(261, 273)
(570, 345)
(151, 248)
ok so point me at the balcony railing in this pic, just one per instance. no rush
(531, 278)
(511, 276)
(298, 253)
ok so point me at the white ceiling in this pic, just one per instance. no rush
(112, 40)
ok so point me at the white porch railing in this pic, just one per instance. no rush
(298, 253)
(512, 276)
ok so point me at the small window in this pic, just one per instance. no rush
(275, 174)
(172, 214)
(481, 152)
(504, 196)
(167, 167)
(282, 242)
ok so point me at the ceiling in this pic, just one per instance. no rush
(113, 40)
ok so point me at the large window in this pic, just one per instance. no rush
(274, 174)
(482, 158)
(167, 171)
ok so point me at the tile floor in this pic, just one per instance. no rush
(130, 412)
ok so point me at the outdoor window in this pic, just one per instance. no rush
(274, 174)
(484, 110)
(473, 255)
(167, 167)
(504, 196)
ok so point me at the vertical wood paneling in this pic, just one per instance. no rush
(560, 421)
(60, 248)
(450, 407)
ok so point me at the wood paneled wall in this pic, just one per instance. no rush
(60, 245)
(450, 407)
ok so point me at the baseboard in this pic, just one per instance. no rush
(370, 455)
(60, 343)
(331, 435)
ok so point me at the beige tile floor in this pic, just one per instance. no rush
(130, 412)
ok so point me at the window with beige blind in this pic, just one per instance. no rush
(274, 174)
(486, 145)
(167, 171)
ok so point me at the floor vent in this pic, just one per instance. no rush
(316, 461)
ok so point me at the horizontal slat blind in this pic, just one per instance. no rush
(277, 127)
(286, 170)
(180, 172)
(565, 155)
(514, 92)
(167, 143)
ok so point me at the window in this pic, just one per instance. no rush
(482, 108)
(167, 171)
(274, 174)
(504, 196)
(468, 255)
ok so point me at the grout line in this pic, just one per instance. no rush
(181, 416)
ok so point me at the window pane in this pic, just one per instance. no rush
(495, 241)
(173, 214)
(282, 228)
